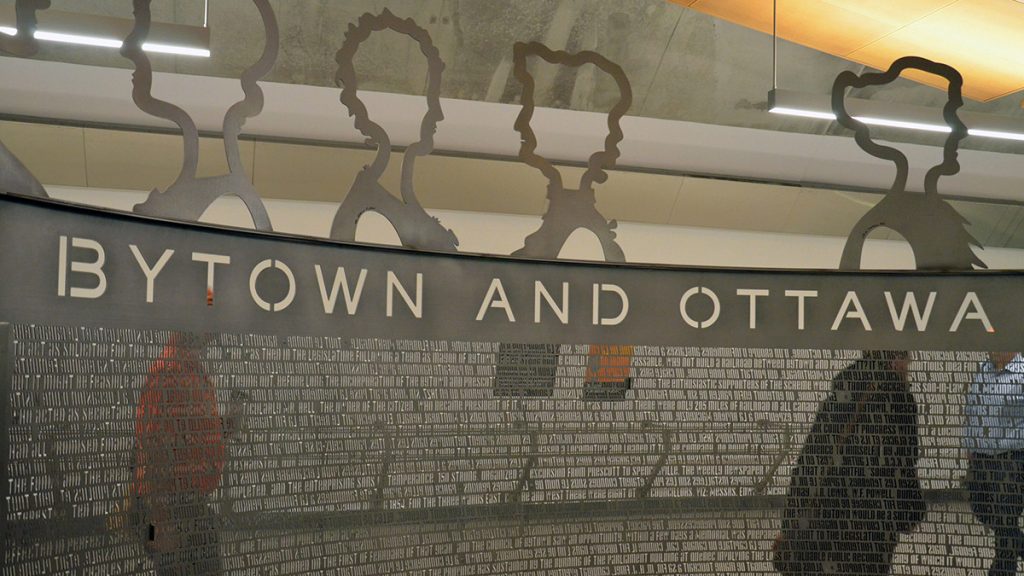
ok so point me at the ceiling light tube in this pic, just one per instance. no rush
(114, 43)
(179, 50)
(886, 114)
(799, 112)
(995, 134)
(107, 32)
(865, 119)
(77, 39)
(903, 124)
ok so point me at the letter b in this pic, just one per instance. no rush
(95, 268)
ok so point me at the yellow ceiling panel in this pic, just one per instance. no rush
(981, 38)
(817, 21)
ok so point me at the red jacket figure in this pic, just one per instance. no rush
(179, 459)
(177, 425)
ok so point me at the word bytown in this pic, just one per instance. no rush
(699, 307)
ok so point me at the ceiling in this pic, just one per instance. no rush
(683, 64)
(980, 38)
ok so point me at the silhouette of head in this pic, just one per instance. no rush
(528, 149)
(347, 79)
(954, 100)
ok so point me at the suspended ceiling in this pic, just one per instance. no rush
(980, 38)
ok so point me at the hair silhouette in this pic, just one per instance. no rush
(569, 210)
(933, 228)
(189, 196)
(414, 226)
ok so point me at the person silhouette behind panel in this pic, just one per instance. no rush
(854, 488)
(994, 440)
(179, 459)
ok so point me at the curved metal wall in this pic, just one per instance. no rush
(423, 430)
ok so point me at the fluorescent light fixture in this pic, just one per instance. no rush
(865, 119)
(903, 124)
(114, 43)
(995, 134)
(805, 113)
(77, 39)
(885, 114)
(180, 50)
(107, 32)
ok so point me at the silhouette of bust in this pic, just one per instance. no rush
(933, 228)
(190, 196)
(569, 210)
(23, 42)
(416, 229)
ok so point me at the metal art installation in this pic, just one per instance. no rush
(932, 227)
(569, 210)
(190, 196)
(487, 426)
(14, 176)
(364, 421)
(416, 229)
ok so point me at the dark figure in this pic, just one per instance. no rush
(855, 488)
(994, 439)
(14, 176)
(179, 460)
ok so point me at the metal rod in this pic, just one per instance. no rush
(206, 13)
(775, 45)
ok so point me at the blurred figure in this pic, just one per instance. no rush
(994, 440)
(179, 460)
(855, 488)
